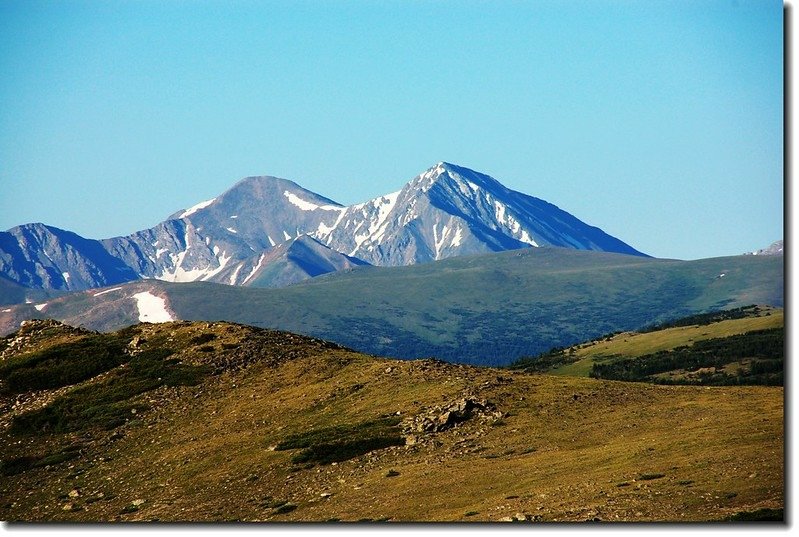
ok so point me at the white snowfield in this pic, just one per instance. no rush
(307, 205)
(191, 210)
(152, 309)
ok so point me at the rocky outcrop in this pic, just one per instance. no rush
(32, 332)
(443, 417)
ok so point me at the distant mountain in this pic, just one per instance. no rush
(774, 249)
(43, 257)
(486, 309)
(199, 243)
(447, 211)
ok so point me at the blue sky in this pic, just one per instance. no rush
(658, 121)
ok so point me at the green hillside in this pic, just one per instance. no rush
(487, 310)
(491, 309)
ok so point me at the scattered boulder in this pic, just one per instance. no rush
(521, 517)
(135, 345)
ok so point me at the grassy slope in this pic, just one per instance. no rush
(630, 345)
(567, 449)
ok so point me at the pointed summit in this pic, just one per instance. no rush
(292, 261)
(448, 171)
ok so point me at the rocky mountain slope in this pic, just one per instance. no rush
(444, 212)
(488, 309)
(43, 257)
(775, 248)
(222, 422)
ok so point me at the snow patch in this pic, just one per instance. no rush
(324, 231)
(255, 269)
(152, 309)
(456, 240)
(40, 307)
(231, 230)
(66, 276)
(235, 273)
(6, 311)
(307, 205)
(387, 203)
(107, 291)
(526, 238)
(180, 274)
(234, 216)
(286, 235)
(270, 240)
(511, 224)
(377, 224)
(191, 210)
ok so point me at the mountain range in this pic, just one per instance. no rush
(271, 232)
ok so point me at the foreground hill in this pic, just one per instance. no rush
(216, 421)
(487, 310)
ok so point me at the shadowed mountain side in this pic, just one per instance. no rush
(290, 262)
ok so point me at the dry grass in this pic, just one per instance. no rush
(206, 453)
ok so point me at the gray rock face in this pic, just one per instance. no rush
(267, 231)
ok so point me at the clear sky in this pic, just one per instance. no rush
(657, 121)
